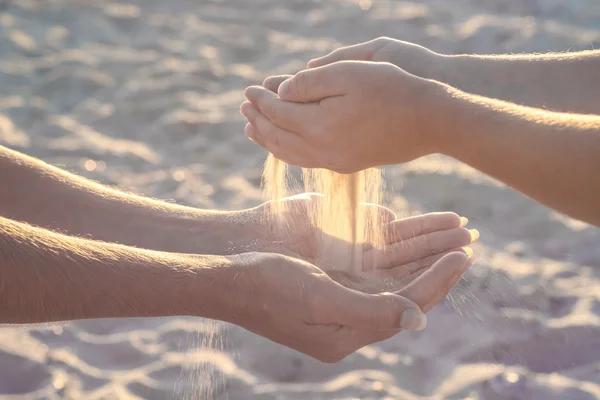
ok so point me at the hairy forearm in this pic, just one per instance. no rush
(42, 195)
(563, 82)
(550, 157)
(46, 276)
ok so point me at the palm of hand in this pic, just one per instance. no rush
(413, 244)
(295, 304)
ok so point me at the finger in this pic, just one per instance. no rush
(409, 250)
(363, 51)
(382, 214)
(394, 284)
(283, 144)
(407, 228)
(406, 270)
(375, 312)
(272, 82)
(290, 116)
(312, 85)
(435, 283)
(253, 135)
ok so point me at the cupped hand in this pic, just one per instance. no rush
(294, 303)
(412, 245)
(346, 116)
(411, 57)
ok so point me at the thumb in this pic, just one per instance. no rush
(311, 85)
(376, 312)
(435, 284)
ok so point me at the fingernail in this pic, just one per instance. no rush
(474, 234)
(464, 221)
(469, 251)
(283, 88)
(413, 320)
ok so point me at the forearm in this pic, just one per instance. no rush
(40, 194)
(46, 276)
(568, 82)
(550, 157)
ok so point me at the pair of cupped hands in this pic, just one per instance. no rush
(327, 313)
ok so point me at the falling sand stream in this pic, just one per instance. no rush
(344, 226)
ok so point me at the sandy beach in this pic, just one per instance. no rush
(144, 96)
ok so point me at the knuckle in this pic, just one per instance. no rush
(338, 53)
(453, 217)
(299, 85)
(387, 68)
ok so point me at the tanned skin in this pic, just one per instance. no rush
(550, 156)
(60, 261)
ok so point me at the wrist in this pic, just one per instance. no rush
(445, 106)
(430, 117)
(414, 59)
(206, 286)
(235, 287)
(444, 68)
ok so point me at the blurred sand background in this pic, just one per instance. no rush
(144, 95)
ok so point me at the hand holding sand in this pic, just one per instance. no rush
(284, 299)
(346, 117)
(412, 245)
(294, 303)
(404, 124)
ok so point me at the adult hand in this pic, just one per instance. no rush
(295, 304)
(412, 245)
(413, 58)
(346, 117)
